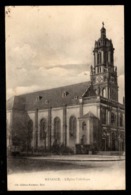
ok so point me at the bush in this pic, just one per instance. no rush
(94, 149)
(82, 149)
(61, 149)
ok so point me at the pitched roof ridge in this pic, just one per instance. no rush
(89, 114)
(54, 88)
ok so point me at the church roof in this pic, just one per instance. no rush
(10, 103)
(16, 102)
(56, 97)
(89, 92)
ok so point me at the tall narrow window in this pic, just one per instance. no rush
(113, 118)
(100, 58)
(106, 57)
(43, 127)
(84, 126)
(72, 126)
(103, 115)
(112, 57)
(121, 119)
(57, 128)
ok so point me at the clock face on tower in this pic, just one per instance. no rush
(99, 79)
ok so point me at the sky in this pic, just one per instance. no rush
(52, 46)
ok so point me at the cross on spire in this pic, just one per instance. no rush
(103, 24)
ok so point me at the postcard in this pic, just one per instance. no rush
(65, 98)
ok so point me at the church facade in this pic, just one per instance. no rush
(85, 114)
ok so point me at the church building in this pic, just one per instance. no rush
(85, 115)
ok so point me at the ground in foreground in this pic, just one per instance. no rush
(41, 174)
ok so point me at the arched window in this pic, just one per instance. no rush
(72, 126)
(57, 128)
(106, 57)
(98, 58)
(113, 118)
(43, 127)
(99, 70)
(103, 115)
(83, 125)
(111, 57)
(121, 119)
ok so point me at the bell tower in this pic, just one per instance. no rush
(103, 73)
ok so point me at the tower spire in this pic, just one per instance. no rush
(103, 73)
(103, 31)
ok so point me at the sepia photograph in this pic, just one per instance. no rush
(65, 98)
